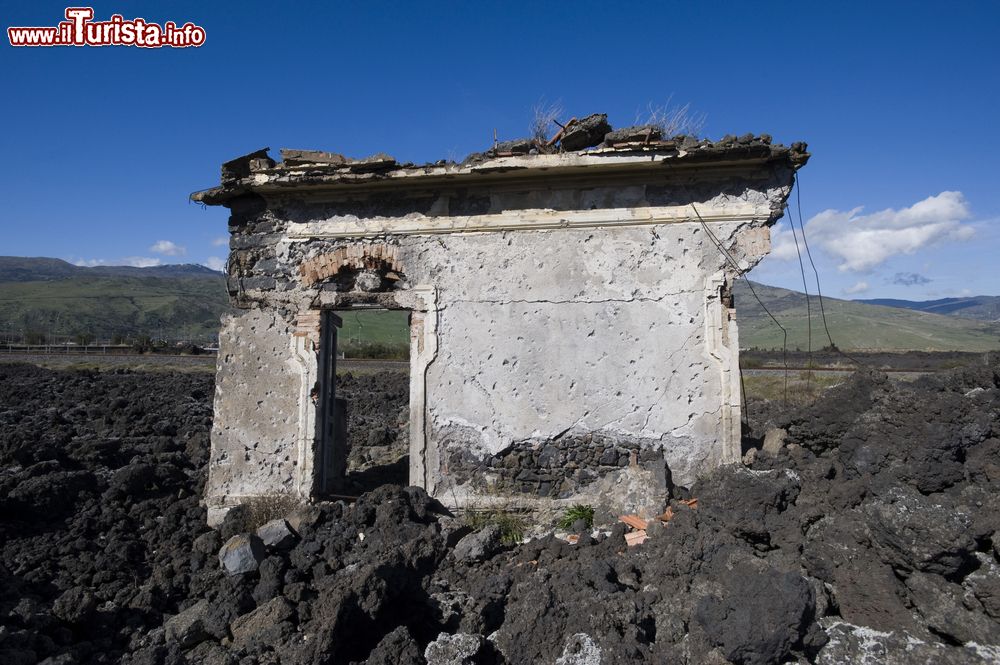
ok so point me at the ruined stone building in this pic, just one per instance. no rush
(572, 329)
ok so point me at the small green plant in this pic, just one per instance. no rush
(574, 513)
(512, 525)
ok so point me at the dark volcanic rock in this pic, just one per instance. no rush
(766, 630)
(873, 534)
(914, 532)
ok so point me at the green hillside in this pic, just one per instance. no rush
(184, 302)
(854, 325)
(54, 299)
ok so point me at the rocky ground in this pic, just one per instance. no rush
(378, 414)
(870, 535)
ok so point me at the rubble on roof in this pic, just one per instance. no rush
(634, 134)
(591, 136)
(585, 133)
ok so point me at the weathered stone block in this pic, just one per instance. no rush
(241, 554)
(188, 627)
(277, 534)
(478, 545)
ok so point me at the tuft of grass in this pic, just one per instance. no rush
(673, 120)
(512, 526)
(576, 512)
(544, 119)
(260, 510)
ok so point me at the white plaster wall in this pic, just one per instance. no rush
(540, 332)
(610, 328)
(256, 424)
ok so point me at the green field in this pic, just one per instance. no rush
(103, 307)
(184, 302)
(378, 333)
(854, 325)
(382, 326)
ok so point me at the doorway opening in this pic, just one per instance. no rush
(364, 417)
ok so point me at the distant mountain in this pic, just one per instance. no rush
(984, 308)
(40, 269)
(54, 298)
(854, 324)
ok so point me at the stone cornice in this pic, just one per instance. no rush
(523, 220)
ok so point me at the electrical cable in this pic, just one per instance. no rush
(819, 291)
(742, 273)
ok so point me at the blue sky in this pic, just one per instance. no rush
(898, 102)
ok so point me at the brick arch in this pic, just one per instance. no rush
(378, 257)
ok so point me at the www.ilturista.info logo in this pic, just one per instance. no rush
(79, 29)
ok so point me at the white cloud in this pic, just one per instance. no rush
(88, 263)
(215, 263)
(140, 261)
(862, 242)
(220, 241)
(167, 248)
(859, 287)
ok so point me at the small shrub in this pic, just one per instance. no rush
(512, 526)
(574, 513)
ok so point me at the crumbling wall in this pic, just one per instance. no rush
(566, 355)
(584, 343)
(255, 432)
(594, 347)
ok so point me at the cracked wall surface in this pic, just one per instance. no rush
(573, 339)
(256, 424)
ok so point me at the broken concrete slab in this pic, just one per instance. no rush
(634, 134)
(377, 162)
(290, 157)
(586, 132)
(242, 166)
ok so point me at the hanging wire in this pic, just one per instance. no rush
(742, 273)
(805, 289)
(819, 291)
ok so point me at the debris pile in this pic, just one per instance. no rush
(870, 534)
(640, 527)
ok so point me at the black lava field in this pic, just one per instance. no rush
(871, 536)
